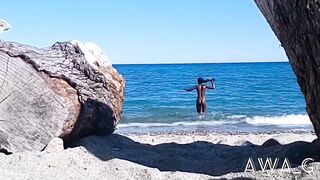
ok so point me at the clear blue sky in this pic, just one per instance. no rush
(148, 31)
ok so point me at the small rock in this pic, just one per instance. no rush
(55, 145)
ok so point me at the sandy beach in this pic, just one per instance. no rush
(160, 90)
(179, 155)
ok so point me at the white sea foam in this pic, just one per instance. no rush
(284, 120)
(295, 119)
(237, 116)
(185, 123)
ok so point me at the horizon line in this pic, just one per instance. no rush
(167, 63)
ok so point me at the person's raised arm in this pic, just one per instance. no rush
(213, 86)
(190, 89)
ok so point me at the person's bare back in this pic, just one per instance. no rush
(201, 99)
(201, 103)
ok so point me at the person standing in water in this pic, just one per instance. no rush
(201, 102)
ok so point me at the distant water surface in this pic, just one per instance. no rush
(248, 97)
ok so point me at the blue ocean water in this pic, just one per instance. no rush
(248, 97)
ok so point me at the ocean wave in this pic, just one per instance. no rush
(284, 120)
(294, 119)
(184, 123)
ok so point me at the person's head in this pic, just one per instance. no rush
(200, 80)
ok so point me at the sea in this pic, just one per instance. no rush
(249, 97)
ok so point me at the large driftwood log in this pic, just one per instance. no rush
(67, 90)
(296, 23)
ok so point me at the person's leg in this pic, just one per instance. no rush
(204, 107)
(198, 105)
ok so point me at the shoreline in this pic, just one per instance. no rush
(217, 132)
(234, 123)
(206, 132)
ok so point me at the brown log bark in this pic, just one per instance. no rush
(296, 23)
(54, 92)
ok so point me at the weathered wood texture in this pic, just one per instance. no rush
(54, 92)
(296, 23)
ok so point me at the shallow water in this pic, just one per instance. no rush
(248, 96)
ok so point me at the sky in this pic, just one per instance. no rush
(148, 31)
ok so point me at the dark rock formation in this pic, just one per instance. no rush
(69, 90)
(296, 23)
